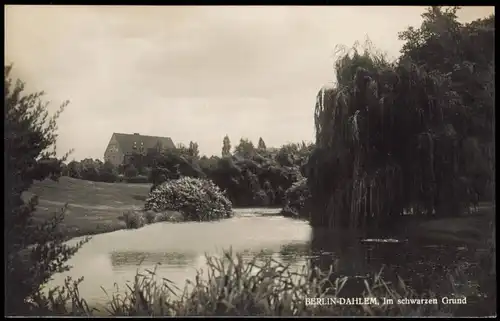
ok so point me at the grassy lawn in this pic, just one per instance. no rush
(93, 207)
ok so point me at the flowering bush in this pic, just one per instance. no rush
(197, 199)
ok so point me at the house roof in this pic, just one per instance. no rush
(126, 141)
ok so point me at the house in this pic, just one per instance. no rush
(122, 146)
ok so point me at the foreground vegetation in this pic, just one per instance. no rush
(261, 287)
(34, 250)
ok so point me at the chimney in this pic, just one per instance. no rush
(136, 133)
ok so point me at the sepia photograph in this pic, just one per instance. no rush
(249, 161)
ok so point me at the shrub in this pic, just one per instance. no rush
(74, 169)
(168, 216)
(197, 199)
(134, 219)
(108, 177)
(139, 179)
(296, 198)
(108, 173)
(131, 171)
(150, 217)
(261, 198)
(146, 171)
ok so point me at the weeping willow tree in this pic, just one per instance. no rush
(389, 137)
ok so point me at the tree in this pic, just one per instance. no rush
(401, 133)
(64, 169)
(226, 146)
(387, 139)
(181, 150)
(108, 172)
(90, 169)
(245, 148)
(193, 150)
(138, 160)
(74, 169)
(34, 251)
(287, 154)
(261, 146)
(466, 53)
(208, 165)
(158, 176)
(131, 171)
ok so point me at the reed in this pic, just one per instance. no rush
(232, 286)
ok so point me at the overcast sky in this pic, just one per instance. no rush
(191, 73)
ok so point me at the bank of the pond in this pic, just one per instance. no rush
(73, 228)
(89, 225)
(115, 258)
(468, 228)
(238, 287)
(180, 247)
(84, 225)
(472, 229)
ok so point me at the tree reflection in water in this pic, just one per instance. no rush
(136, 258)
(422, 267)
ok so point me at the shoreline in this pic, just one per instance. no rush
(92, 228)
(461, 229)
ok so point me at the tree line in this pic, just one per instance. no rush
(251, 175)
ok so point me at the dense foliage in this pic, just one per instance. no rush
(297, 200)
(260, 178)
(410, 134)
(97, 171)
(196, 199)
(250, 176)
(465, 52)
(34, 250)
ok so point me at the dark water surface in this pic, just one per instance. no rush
(114, 258)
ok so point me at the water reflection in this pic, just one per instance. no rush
(111, 260)
(136, 258)
(114, 258)
(421, 267)
(294, 253)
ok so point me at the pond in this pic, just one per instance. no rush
(113, 258)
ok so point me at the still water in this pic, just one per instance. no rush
(114, 258)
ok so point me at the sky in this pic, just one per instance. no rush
(191, 73)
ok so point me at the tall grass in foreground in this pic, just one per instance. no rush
(232, 287)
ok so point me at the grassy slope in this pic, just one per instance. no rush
(93, 207)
